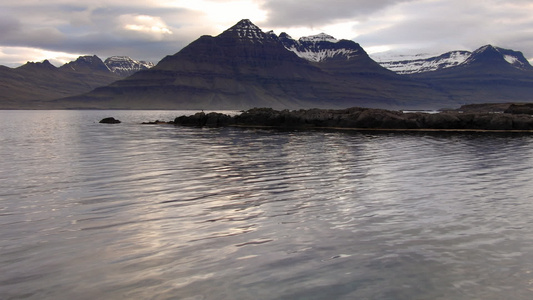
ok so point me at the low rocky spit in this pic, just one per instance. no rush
(517, 119)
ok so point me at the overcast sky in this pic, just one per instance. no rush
(61, 30)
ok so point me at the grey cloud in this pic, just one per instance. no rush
(452, 25)
(8, 26)
(86, 29)
(92, 28)
(320, 12)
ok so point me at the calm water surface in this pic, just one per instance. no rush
(130, 211)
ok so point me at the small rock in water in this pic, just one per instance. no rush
(109, 120)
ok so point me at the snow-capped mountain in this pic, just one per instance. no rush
(125, 66)
(321, 47)
(421, 63)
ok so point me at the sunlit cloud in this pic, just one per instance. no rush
(222, 14)
(21, 55)
(148, 25)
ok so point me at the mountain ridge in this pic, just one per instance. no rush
(34, 84)
(455, 58)
(244, 67)
(125, 66)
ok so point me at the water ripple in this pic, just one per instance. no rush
(161, 212)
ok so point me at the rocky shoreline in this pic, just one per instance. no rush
(366, 119)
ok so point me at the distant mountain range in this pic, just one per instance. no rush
(420, 64)
(244, 67)
(33, 85)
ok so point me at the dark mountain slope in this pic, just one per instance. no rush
(241, 67)
(32, 85)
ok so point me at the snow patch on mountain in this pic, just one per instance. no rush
(321, 37)
(320, 47)
(323, 54)
(511, 59)
(125, 66)
(423, 62)
(389, 56)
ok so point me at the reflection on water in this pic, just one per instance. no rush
(94, 211)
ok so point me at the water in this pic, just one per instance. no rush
(130, 211)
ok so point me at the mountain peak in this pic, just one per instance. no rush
(321, 37)
(45, 65)
(125, 66)
(245, 23)
(492, 55)
(487, 47)
(86, 63)
(245, 29)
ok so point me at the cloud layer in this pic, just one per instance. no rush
(149, 30)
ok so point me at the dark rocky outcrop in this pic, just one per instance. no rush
(109, 120)
(362, 118)
(484, 108)
(525, 108)
(157, 122)
(202, 119)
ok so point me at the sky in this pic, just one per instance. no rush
(62, 30)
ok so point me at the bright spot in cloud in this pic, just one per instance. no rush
(153, 26)
(223, 14)
(21, 55)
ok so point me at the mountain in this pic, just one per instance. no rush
(420, 65)
(489, 75)
(32, 85)
(244, 67)
(86, 64)
(485, 55)
(241, 67)
(320, 47)
(124, 66)
(495, 57)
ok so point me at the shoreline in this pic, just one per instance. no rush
(363, 119)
